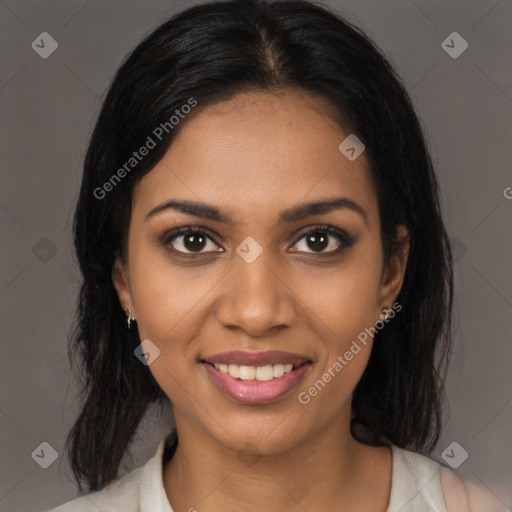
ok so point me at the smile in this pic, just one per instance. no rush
(255, 385)
(261, 373)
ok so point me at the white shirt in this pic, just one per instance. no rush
(417, 484)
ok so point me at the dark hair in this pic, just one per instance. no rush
(209, 53)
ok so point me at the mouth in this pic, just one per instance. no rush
(256, 378)
(260, 373)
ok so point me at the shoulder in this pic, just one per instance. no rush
(415, 483)
(463, 495)
(122, 494)
(419, 481)
(140, 490)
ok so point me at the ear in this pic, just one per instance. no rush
(393, 275)
(121, 281)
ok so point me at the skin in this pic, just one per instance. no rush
(254, 156)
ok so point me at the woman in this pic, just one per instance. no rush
(262, 247)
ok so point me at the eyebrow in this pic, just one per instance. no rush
(293, 214)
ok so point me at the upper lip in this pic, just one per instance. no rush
(271, 357)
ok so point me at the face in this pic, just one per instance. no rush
(265, 273)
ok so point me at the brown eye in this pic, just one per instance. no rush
(320, 240)
(189, 240)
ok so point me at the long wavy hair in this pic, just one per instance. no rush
(211, 52)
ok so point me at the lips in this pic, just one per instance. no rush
(271, 357)
(255, 392)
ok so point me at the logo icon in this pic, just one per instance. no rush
(454, 45)
(44, 250)
(147, 352)
(458, 248)
(454, 455)
(249, 455)
(351, 147)
(249, 249)
(44, 45)
(45, 455)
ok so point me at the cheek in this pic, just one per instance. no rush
(346, 308)
(346, 344)
(166, 294)
(346, 298)
(169, 307)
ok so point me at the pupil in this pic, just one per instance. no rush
(191, 245)
(318, 241)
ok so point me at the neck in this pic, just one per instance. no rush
(327, 469)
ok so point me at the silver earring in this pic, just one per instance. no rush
(386, 312)
(130, 318)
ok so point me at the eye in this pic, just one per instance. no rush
(320, 240)
(192, 239)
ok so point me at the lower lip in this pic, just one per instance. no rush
(255, 391)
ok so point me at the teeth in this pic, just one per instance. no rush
(246, 372)
(233, 370)
(262, 373)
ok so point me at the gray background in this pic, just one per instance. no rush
(48, 107)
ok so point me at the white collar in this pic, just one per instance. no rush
(415, 481)
(153, 497)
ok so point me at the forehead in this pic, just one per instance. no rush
(255, 154)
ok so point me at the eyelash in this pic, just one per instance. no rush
(345, 240)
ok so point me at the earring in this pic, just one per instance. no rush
(130, 318)
(386, 312)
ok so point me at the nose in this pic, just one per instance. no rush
(255, 297)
